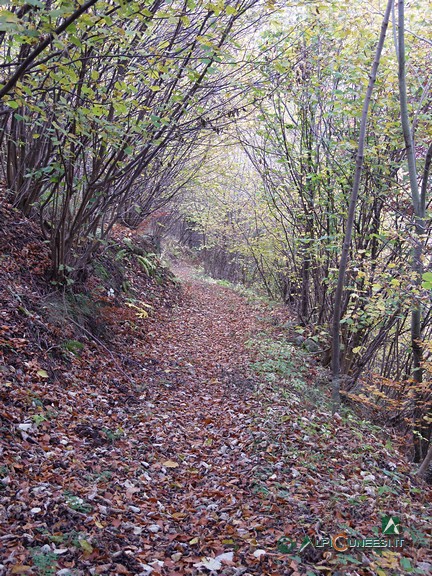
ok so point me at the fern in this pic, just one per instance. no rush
(148, 266)
(120, 254)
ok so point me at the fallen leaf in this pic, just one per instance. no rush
(214, 564)
(211, 564)
(20, 569)
(226, 557)
(259, 553)
(25, 427)
(86, 546)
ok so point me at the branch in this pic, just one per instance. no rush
(20, 71)
(426, 170)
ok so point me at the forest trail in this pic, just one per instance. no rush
(236, 464)
(217, 449)
(209, 330)
(204, 410)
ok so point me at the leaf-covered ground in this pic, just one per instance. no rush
(196, 441)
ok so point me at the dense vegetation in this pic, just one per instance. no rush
(287, 146)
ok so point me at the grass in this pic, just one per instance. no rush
(251, 294)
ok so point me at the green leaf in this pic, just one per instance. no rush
(406, 564)
(427, 281)
(120, 107)
(37, 3)
(86, 546)
(8, 20)
(351, 559)
(155, 120)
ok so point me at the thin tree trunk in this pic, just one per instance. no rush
(419, 203)
(351, 213)
(423, 470)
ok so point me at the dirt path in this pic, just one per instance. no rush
(201, 426)
(231, 471)
(208, 331)
(192, 464)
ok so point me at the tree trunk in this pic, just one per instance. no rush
(418, 202)
(351, 213)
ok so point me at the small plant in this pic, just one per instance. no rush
(4, 471)
(104, 476)
(39, 418)
(44, 562)
(73, 346)
(101, 272)
(113, 435)
(147, 264)
(224, 283)
(72, 538)
(77, 503)
(121, 254)
(277, 359)
(139, 306)
(58, 538)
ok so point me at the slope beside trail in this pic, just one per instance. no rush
(201, 465)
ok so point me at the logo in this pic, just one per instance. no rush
(306, 542)
(341, 542)
(391, 525)
(286, 546)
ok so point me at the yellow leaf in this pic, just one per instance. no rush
(141, 312)
(42, 373)
(194, 541)
(179, 515)
(20, 569)
(170, 464)
(86, 546)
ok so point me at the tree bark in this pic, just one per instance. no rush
(423, 470)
